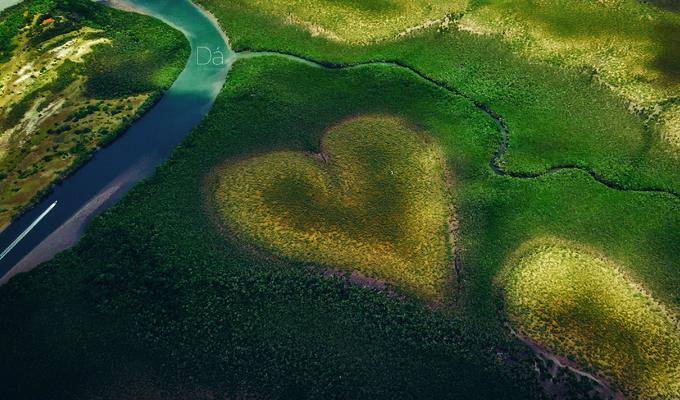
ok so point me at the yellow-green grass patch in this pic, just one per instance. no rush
(358, 21)
(669, 129)
(580, 304)
(375, 200)
(627, 45)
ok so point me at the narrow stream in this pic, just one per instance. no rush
(60, 219)
(113, 170)
(560, 364)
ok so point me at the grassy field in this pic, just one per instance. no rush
(582, 305)
(73, 74)
(356, 21)
(628, 45)
(374, 200)
(160, 299)
(559, 112)
(175, 297)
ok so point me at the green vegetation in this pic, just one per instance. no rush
(374, 200)
(174, 290)
(177, 290)
(558, 113)
(629, 46)
(357, 21)
(67, 70)
(580, 304)
(177, 298)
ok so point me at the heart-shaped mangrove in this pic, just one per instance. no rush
(576, 302)
(375, 200)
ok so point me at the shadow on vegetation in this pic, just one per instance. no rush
(670, 5)
(592, 22)
(668, 60)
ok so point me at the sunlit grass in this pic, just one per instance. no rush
(669, 129)
(630, 46)
(375, 200)
(581, 305)
(357, 21)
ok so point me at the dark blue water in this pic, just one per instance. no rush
(134, 156)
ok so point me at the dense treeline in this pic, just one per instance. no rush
(64, 57)
(157, 299)
(567, 298)
(156, 287)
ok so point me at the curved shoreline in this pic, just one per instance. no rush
(145, 107)
(494, 163)
(113, 170)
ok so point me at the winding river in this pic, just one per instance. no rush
(59, 220)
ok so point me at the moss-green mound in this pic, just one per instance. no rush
(581, 305)
(374, 200)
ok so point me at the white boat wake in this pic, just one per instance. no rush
(27, 230)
